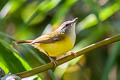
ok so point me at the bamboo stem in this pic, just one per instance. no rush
(69, 57)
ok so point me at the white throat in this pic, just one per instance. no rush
(72, 33)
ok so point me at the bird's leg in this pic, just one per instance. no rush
(72, 53)
(53, 60)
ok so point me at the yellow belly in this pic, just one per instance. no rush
(57, 48)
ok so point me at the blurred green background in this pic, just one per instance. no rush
(28, 19)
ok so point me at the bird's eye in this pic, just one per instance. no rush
(67, 24)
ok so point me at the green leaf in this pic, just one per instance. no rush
(10, 60)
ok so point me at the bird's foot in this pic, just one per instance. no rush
(53, 60)
(72, 53)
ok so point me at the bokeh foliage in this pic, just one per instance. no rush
(28, 19)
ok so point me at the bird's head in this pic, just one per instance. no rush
(67, 26)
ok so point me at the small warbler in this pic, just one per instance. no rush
(55, 43)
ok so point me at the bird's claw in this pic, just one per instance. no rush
(72, 53)
(53, 61)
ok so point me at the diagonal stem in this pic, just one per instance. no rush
(69, 57)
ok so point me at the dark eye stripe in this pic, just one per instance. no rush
(67, 24)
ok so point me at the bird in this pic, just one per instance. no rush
(55, 43)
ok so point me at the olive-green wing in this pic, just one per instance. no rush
(49, 38)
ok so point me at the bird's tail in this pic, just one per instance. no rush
(24, 42)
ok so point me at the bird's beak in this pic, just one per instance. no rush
(74, 21)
